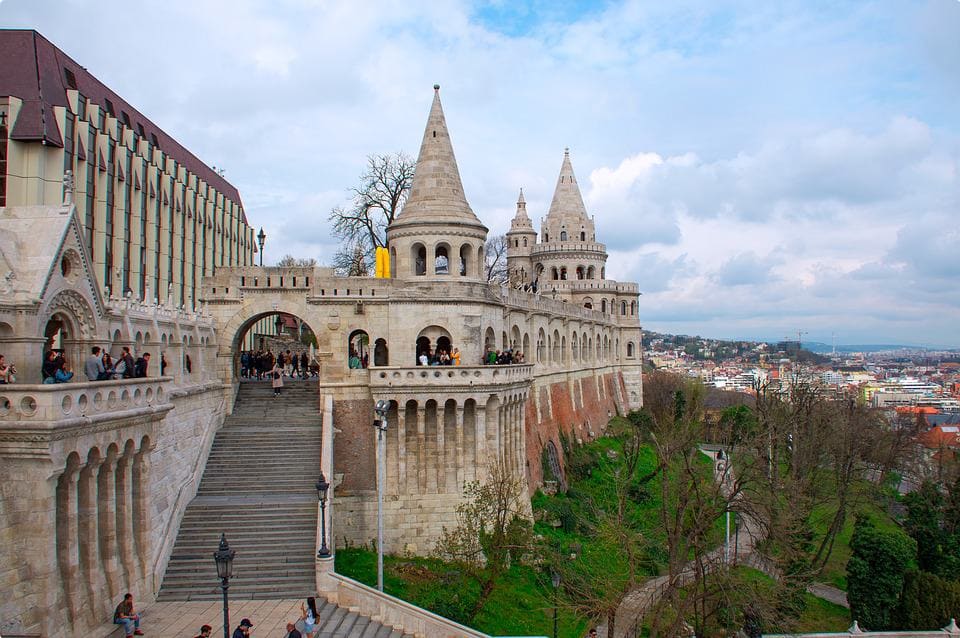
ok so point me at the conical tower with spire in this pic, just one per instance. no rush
(521, 238)
(568, 250)
(437, 234)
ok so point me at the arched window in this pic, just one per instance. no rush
(464, 259)
(574, 347)
(583, 236)
(418, 254)
(603, 273)
(526, 345)
(516, 243)
(584, 347)
(381, 355)
(440, 338)
(603, 305)
(541, 344)
(546, 237)
(358, 355)
(563, 235)
(554, 273)
(489, 340)
(591, 272)
(580, 272)
(524, 242)
(623, 308)
(563, 273)
(441, 260)
(633, 308)
(629, 349)
(555, 357)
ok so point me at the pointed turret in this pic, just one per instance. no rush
(436, 234)
(567, 200)
(520, 220)
(521, 238)
(437, 191)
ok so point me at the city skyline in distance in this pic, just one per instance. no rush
(755, 170)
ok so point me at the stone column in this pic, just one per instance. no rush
(68, 554)
(421, 449)
(480, 441)
(459, 470)
(141, 514)
(401, 449)
(521, 439)
(91, 575)
(76, 352)
(124, 498)
(107, 524)
(440, 461)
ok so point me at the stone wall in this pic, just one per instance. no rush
(94, 480)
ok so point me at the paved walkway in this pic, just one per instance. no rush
(269, 618)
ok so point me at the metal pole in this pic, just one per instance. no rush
(726, 546)
(226, 609)
(324, 550)
(381, 482)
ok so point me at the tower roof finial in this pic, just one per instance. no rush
(437, 191)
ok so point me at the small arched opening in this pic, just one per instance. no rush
(563, 235)
(603, 305)
(418, 256)
(381, 354)
(465, 259)
(591, 272)
(358, 350)
(261, 338)
(574, 347)
(630, 350)
(441, 260)
(563, 273)
(554, 273)
(623, 308)
(489, 340)
(581, 272)
(431, 343)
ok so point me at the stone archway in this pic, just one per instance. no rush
(287, 331)
(67, 324)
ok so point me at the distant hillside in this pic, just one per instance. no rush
(825, 348)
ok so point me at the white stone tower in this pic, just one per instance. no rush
(568, 249)
(437, 235)
(521, 238)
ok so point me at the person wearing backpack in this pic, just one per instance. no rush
(127, 363)
(140, 367)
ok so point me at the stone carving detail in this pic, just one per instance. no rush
(77, 307)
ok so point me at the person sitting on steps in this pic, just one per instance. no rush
(126, 616)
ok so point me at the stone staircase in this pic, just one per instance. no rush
(258, 488)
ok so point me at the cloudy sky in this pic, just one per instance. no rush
(759, 168)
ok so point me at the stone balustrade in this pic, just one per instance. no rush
(449, 377)
(42, 403)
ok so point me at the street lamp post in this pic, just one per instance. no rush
(322, 487)
(261, 237)
(380, 425)
(224, 559)
(555, 581)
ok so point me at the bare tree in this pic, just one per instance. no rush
(376, 202)
(495, 256)
(492, 530)
(289, 261)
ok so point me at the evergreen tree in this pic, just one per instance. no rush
(875, 573)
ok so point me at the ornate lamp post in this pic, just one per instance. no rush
(224, 559)
(261, 237)
(322, 487)
(380, 424)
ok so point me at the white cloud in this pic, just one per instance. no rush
(819, 142)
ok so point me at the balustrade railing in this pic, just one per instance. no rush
(54, 402)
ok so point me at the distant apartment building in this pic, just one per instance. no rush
(156, 219)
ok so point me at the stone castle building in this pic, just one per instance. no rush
(95, 477)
